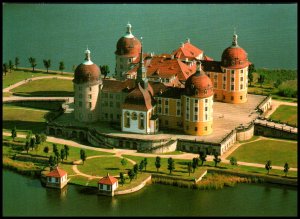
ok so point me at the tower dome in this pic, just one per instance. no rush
(87, 71)
(128, 45)
(234, 56)
(199, 84)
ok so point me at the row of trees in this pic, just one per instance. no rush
(47, 64)
(58, 156)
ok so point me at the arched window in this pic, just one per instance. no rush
(127, 119)
(141, 121)
(133, 116)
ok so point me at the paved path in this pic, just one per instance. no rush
(119, 152)
(7, 89)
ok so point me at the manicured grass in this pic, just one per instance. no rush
(103, 165)
(135, 182)
(172, 153)
(46, 105)
(180, 167)
(46, 88)
(6, 94)
(24, 118)
(260, 151)
(251, 139)
(286, 114)
(19, 75)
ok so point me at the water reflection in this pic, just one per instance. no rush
(56, 194)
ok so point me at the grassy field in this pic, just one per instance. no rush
(20, 75)
(24, 118)
(286, 114)
(103, 165)
(46, 88)
(260, 151)
(6, 94)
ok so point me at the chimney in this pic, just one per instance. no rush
(172, 56)
(188, 40)
(182, 45)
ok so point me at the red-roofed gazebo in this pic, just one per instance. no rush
(107, 185)
(57, 178)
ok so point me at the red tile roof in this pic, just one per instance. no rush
(84, 73)
(208, 58)
(110, 85)
(57, 172)
(158, 66)
(108, 180)
(188, 50)
(139, 99)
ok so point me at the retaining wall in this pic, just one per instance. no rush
(133, 189)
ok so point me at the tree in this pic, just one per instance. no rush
(32, 62)
(216, 159)
(124, 162)
(46, 150)
(54, 148)
(135, 169)
(57, 156)
(268, 166)
(62, 154)
(286, 168)
(82, 155)
(171, 165)
(17, 62)
(66, 148)
(29, 135)
(14, 133)
(27, 146)
(104, 70)
(202, 156)
(36, 148)
(233, 161)
(145, 163)
(51, 161)
(157, 163)
(10, 65)
(38, 139)
(47, 64)
(141, 166)
(122, 179)
(131, 174)
(277, 83)
(43, 137)
(61, 66)
(261, 79)
(251, 69)
(189, 167)
(194, 163)
(32, 142)
(4, 68)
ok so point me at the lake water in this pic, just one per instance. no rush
(61, 32)
(24, 196)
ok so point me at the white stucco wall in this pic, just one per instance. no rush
(134, 124)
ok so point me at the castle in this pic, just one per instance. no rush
(152, 92)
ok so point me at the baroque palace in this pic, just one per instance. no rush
(160, 103)
(155, 92)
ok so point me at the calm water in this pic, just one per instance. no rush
(268, 32)
(25, 196)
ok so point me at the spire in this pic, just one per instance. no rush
(128, 28)
(141, 72)
(128, 31)
(234, 41)
(87, 60)
(199, 69)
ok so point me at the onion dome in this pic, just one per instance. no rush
(87, 71)
(234, 56)
(128, 45)
(199, 84)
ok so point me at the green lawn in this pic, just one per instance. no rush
(260, 151)
(103, 165)
(6, 94)
(24, 118)
(286, 114)
(18, 75)
(46, 88)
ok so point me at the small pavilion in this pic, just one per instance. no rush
(107, 185)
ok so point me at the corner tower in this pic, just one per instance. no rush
(87, 87)
(197, 104)
(234, 65)
(128, 49)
